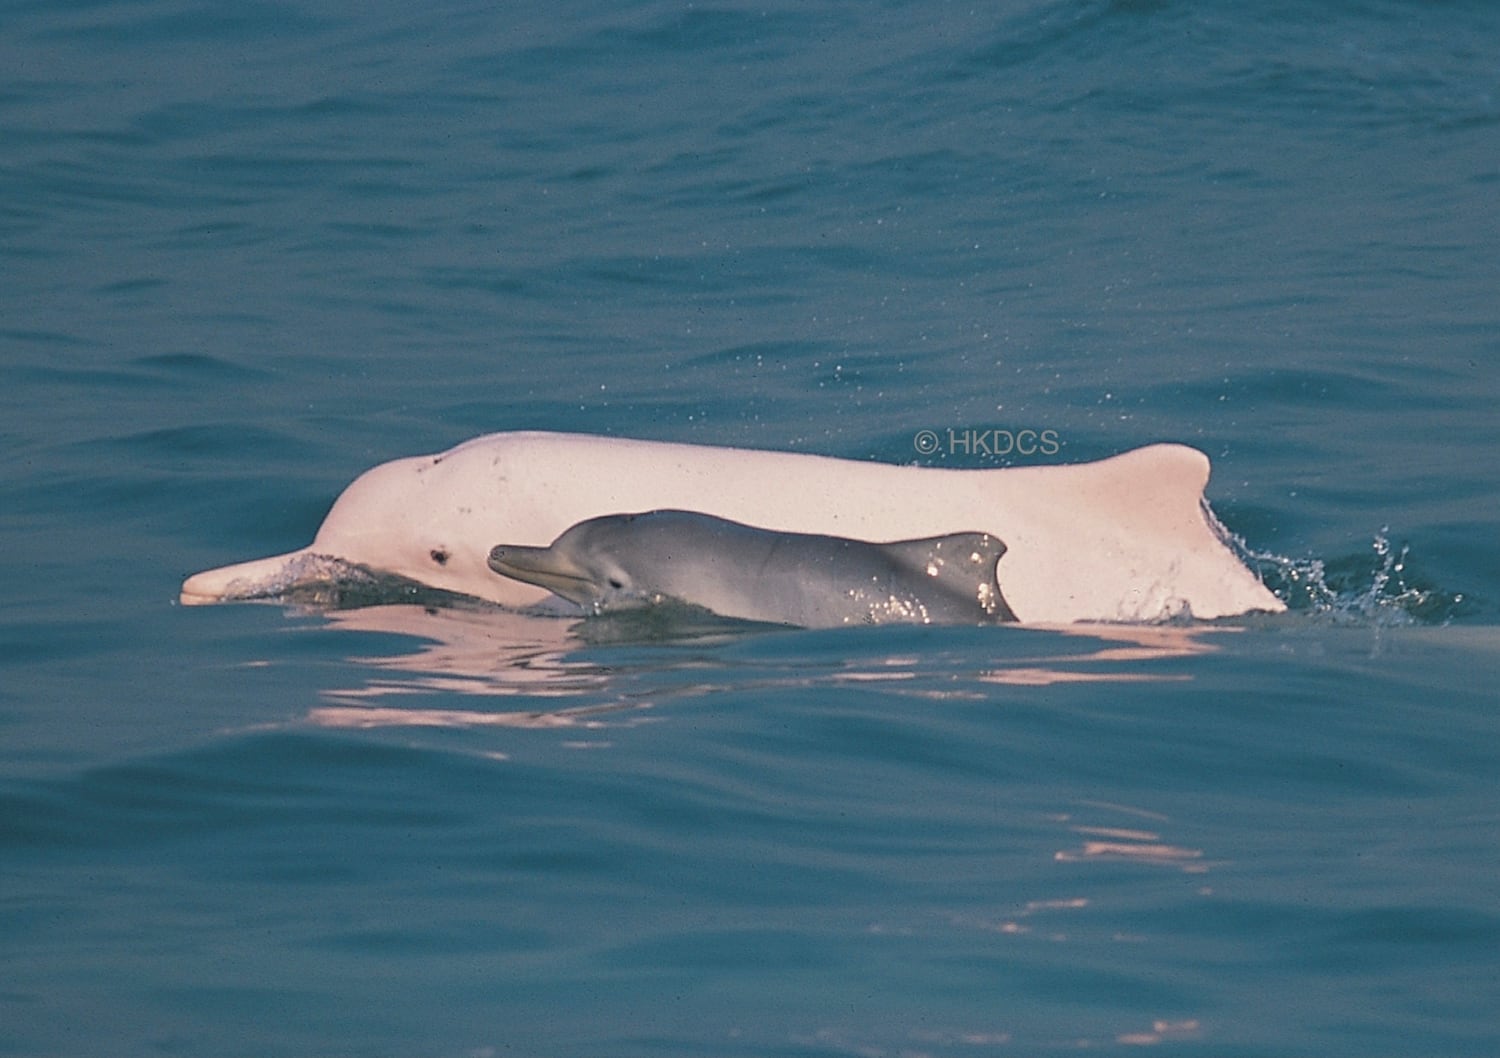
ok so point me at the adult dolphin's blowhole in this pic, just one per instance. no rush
(628, 561)
(1128, 538)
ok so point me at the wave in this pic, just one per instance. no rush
(1377, 588)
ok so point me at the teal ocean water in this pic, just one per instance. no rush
(248, 251)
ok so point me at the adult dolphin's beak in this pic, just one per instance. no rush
(258, 579)
(271, 578)
(545, 568)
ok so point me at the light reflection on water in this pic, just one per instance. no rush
(483, 652)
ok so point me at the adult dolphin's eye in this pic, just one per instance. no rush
(616, 583)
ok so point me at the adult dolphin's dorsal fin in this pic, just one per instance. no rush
(963, 564)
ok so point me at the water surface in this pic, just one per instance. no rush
(249, 253)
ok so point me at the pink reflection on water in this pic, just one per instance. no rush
(1162, 1032)
(494, 653)
(1124, 643)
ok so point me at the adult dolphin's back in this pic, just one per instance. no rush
(1125, 538)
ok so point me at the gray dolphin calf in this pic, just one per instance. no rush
(627, 561)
